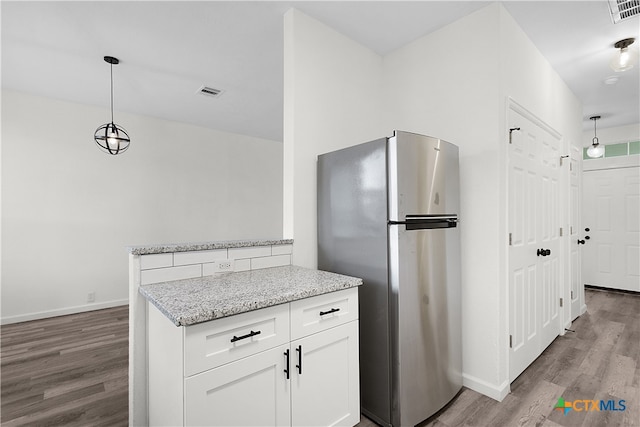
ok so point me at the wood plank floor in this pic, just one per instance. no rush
(72, 371)
(601, 360)
(66, 371)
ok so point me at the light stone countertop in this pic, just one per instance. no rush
(191, 301)
(203, 246)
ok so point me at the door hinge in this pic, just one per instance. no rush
(560, 231)
(561, 301)
(510, 341)
(571, 230)
(570, 166)
(510, 132)
(510, 239)
(571, 294)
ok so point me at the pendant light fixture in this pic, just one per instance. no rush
(624, 58)
(596, 150)
(110, 137)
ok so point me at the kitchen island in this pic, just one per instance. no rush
(213, 338)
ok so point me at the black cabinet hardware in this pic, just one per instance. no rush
(286, 363)
(299, 365)
(580, 242)
(249, 335)
(587, 229)
(587, 237)
(544, 252)
(333, 310)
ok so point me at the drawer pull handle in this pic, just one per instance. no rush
(286, 369)
(333, 310)
(249, 335)
(299, 365)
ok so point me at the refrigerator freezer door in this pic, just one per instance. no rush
(423, 176)
(425, 323)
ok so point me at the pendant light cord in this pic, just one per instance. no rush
(595, 140)
(111, 93)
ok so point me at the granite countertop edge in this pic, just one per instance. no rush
(203, 246)
(161, 294)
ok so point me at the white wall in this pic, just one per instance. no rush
(446, 85)
(453, 84)
(331, 101)
(69, 210)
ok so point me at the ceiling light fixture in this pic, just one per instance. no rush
(595, 150)
(624, 58)
(110, 137)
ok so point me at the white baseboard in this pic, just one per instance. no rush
(496, 392)
(62, 311)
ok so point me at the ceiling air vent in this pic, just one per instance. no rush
(623, 9)
(209, 91)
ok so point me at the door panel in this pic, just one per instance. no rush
(423, 176)
(577, 289)
(232, 394)
(534, 224)
(425, 319)
(329, 375)
(612, 214)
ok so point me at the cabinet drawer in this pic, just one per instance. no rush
(321, 312)
(220, 341)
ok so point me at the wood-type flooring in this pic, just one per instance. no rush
(599, 361)
(72, 371)
(66, 371)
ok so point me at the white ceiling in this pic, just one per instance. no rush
(168, 50)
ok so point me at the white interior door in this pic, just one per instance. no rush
(535, 252)
(577, 289)
(612, 216)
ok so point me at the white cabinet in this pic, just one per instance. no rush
(292, 364)
(326, 393)
(247, 392)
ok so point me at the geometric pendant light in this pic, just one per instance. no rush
(110, 137)
(595, 150)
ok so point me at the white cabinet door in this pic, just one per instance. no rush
(249, 392)
(325, 389)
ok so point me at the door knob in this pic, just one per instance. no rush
(587, 237)
(580, 242)
(587, 229)
(544, 252)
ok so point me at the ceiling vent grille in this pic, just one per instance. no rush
(209, 91)
(623, 9)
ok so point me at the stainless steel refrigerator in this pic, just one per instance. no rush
(388, 213)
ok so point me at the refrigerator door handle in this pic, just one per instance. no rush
(422, 222)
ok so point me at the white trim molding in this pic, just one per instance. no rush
(62, 311)
(496, 392)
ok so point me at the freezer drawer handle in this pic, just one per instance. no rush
(333, 310)
(286, 357)
(299, 365)
(249, 335)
